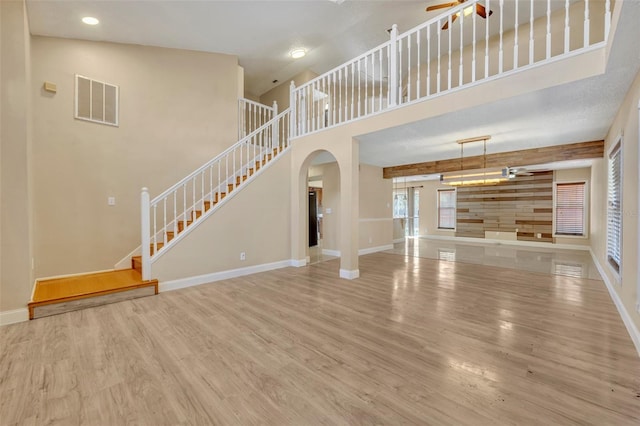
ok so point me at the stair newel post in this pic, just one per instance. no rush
(393, 66)
(145, 211)
(292, 110)
(274, 131)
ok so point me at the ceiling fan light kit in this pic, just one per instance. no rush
(484, 176)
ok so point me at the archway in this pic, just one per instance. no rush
(344, 160)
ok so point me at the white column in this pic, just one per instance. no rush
(146, 239)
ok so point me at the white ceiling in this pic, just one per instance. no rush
(262, 32)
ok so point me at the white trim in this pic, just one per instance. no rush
(455, 208)
(298, 263)
(375, 219)
(125, 262)
(329, 252)
(14, 316)
(370, 250)
(222, 275)
(626, 318)
(361, 252)
(506, 242)
(399, 240)
(349, 275)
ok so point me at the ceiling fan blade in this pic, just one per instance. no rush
(482, 11)
(446, 24)
(441, 6)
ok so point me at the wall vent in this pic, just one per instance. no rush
(96, 101)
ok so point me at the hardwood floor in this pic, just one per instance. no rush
(413, 341)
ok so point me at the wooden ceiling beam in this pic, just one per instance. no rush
(526, 157)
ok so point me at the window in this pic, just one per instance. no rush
(96, 101)
(570, 209)
(447, 208)
(400, 203)
(614, 209)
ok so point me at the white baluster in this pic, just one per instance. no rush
(393, 66)
(275, 143)
(486, 39)
(501, 52)
(586, 23)
(353, 84)
(428, 60)
(146, 241)
(366, 86)
(155, 231)
(164, 221)
(292, 110)
(184, 207)
(339, 96)
(548, 29)
(409, 68)
(531, 39)
(449, 53)
(567, 28)
(438, 70)
(460, 67)
(211, 185)
(381, 78)
(515, 40)
(418, 74)
(359, 89)
(193, 191)
(175, 213)
(202, 189)
(473, 49)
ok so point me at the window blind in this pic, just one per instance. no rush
(446, 208)
(570, 209)
(614, 209)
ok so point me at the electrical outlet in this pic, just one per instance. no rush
(538, 235)
(243, 256)
(111, 201)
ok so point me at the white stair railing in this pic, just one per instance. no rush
(252, 115)
(430, 60)
(173, 214)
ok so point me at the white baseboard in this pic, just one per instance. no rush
(349, 275)
(361, 252)
(222, 275)
(399, 240)
(298, 263)
(14, 316)
(624, 314)
(328, 252)
(370, 250)
(505, 242)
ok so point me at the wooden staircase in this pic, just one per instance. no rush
(208, 205)
(58, 295)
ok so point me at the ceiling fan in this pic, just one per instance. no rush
(479, 9)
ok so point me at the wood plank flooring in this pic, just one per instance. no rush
(413, 341)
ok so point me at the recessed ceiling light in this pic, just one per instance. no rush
(297, 53)
(90, 20)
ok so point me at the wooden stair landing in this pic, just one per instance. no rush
(66, 294)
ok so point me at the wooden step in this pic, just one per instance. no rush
(170, 235)
(181, 225)
(158, 244)
(196, 213)
(136, 263)
(59, 295)
(239, 179)
(208, 205)
(230, 187)
(250, 172)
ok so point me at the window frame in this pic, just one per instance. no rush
(617, 268)
(585, 208)
(455, 208)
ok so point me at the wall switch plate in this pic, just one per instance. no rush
(243, 256)
(328, 210)
(111, 201)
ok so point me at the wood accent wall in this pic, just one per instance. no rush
(527, 157)
(524, 203)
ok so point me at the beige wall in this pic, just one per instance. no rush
(177, 110)
(376, 212)
(375, 221)
(250, 222)
(280, 93)
(15, 145)
(625, 125)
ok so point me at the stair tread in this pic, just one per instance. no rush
(87, 285)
